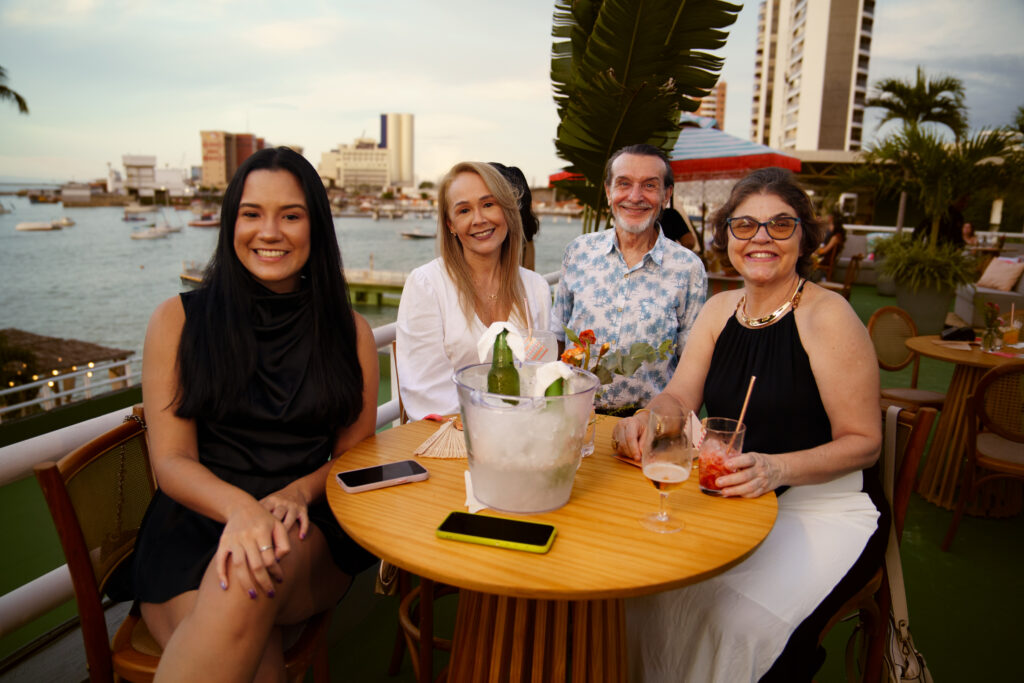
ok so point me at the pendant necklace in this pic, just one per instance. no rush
(791, 302)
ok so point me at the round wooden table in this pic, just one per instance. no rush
(523, 616)
(941, 474)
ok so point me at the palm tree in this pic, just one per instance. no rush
(622, 71)
(8, 94)
(935, 100)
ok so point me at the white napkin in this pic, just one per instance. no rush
(514, 339)
(548, 373)
(472, 504)
(695, 429)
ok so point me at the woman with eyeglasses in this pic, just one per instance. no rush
(812, 429)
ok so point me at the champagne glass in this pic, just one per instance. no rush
(667, 458)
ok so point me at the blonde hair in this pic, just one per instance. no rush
(510, 288)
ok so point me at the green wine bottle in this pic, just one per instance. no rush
(503, 378)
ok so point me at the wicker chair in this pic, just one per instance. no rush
(846, 286)
(97, 496)
(889, 328)
(871, 604)
(995, 436)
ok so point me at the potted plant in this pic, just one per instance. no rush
(926, 277)
(884, 284)
(935, 173)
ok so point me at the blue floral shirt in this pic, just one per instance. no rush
(657, 299)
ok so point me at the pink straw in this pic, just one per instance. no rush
(743, 412)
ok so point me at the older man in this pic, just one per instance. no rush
(632, 284)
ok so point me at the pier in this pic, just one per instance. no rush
(380, 287)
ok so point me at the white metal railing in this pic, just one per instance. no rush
(37, 597)
(63, 387)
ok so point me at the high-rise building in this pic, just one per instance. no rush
(139, 174)
(222, 154)
(359, 166)
(396, 136)
(713, 106)
(372, 165)
(811, 73)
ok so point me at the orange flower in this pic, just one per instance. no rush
(588, 337)
(573, 356)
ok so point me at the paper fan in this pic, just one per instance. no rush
(446, 442)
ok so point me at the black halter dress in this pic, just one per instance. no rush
(786, 414)
(268, 440)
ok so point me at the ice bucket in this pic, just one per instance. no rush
(524, 452)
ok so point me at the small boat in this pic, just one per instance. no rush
(64, 222)
(150, 233)
(37, 226)
(207, 220)
(419, 235)
(133, 217)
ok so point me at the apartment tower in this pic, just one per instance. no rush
(713, 106)
(396, 137)
(811, 73)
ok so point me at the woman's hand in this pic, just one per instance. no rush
(252, 542)
(627, 435)
(289, 505)
(753, 475)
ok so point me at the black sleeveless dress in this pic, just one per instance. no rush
(786, 414)
(268, 440)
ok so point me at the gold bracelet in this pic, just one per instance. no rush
(658, 428)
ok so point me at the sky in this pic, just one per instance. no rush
(105, 78)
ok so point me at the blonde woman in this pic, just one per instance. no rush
(447, 304)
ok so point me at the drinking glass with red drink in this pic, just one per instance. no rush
(723, 439)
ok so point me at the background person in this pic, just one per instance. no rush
(812, 427)
(835, 240)
(631, 284)
(673, 227)
(531, 225)
(449, 303)
(251, 385)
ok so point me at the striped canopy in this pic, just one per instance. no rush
(703, 153)
(706, 153)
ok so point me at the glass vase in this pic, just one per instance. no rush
(991, 339)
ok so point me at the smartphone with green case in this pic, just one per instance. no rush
(501, 532)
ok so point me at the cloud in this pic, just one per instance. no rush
(293, 35)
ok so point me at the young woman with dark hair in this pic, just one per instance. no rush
(251, 384)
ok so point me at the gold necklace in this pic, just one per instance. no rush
(792, 301)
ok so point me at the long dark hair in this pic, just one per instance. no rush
(779, 182)
(515, 177)
(217, 356)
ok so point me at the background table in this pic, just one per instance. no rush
(941, 474)
(522, 615)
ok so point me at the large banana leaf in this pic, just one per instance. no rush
(622, 71)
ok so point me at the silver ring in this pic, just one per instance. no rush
(264, 548)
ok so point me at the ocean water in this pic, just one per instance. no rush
(91, 282)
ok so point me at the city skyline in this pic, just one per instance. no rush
(104, 79)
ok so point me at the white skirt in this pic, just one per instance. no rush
(733, 627)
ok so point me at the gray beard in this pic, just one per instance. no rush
(636, 229)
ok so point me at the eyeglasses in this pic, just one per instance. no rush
(779, 228)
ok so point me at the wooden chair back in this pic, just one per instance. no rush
(997, 404)
(871, 603)
(889, 328)
(403, 417)
(97, 496)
